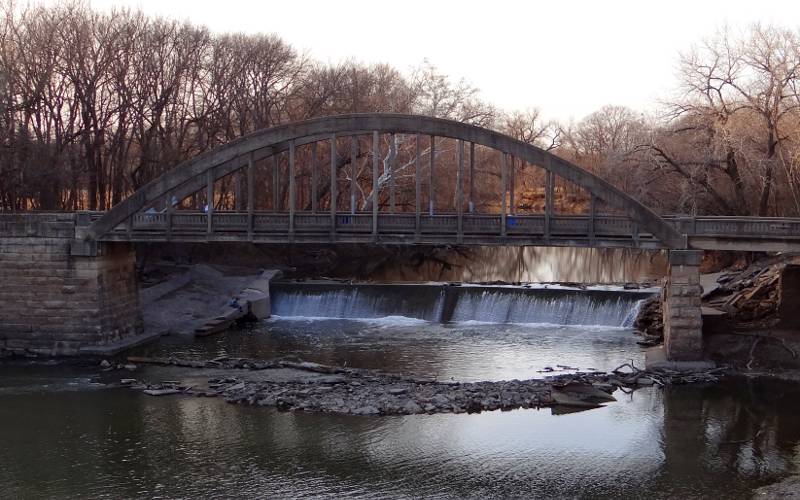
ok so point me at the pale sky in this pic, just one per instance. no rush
(566, 57)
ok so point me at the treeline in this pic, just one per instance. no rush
(93, 105)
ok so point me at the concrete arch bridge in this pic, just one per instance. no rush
(363, 178)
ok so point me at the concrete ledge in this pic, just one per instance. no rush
(253, 301)
(656, 359)
(155, 292)
(256, 296)
(121, 345)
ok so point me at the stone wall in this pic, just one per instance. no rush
(683, 322)
(54, 303)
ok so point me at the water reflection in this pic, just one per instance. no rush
(686, 442)
(462, 351)
(531, 264)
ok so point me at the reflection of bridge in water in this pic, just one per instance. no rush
(484, 164)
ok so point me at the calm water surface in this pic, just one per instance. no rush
(68, 432)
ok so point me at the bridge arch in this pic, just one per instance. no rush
(191, 175)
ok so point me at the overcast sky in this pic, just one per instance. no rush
(566, 57)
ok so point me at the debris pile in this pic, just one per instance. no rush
(748, 296)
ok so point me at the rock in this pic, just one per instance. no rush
(366, 410)
(440, 400)
(564, 399)
(105, 364)
(588, 393)
(160, 392)
(411, 408)
(609, 388)
(331, 379)
(397, 391)
(130, 367)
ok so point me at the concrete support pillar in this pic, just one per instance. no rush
(683, 323)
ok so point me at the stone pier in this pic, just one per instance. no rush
(55, 302)
(683, 323)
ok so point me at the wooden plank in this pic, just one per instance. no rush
(459, 192)
(314, 177)
(251, 202)
(354, 173)
(375, 159)
(431, 187)
(504, 189)
(471, 177)
(334, 194)
(291, 189)
(209, 200)
(417, 188)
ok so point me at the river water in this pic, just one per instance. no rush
(69, 431)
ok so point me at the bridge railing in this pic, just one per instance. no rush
(445, 228)
(364, 225)
(736, 227)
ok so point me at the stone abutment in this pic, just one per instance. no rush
(55, 303)
(683, 322)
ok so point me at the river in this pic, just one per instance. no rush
(69, 431)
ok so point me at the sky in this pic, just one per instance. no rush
(566, 57)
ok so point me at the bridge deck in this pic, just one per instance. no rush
(713, 233)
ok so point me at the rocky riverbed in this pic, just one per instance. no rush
(291, 384)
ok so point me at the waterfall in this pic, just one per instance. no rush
(358, 302)
(440, 303)
(572, 308)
